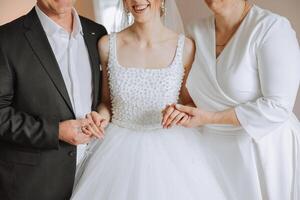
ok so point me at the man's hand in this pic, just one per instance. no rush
(71, 131)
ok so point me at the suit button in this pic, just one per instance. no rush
(72, 153)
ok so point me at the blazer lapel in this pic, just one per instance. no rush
(91, 43)
(41, 47)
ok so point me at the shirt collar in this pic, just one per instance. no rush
(52, 27)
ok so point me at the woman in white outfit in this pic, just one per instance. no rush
(244, 82)
(143, 68)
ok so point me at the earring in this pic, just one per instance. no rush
(163, 8)
(126, 11)
(128, 14)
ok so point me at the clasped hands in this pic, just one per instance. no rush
(186, 116)
(81, 131)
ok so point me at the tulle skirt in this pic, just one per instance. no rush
(161, 164)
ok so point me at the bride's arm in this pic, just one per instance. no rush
(188, 59)
(172, 116)
(101, 118)
(104, 108)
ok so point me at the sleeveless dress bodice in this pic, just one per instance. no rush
(139, 94)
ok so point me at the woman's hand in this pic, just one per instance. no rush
(172, 116)
(197, 117)
(186, 116)
(96, 126)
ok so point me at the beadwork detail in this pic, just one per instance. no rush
(139, 95)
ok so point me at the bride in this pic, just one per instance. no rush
(144, 67)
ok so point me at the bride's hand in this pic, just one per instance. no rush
(96, 126)
(172, 116)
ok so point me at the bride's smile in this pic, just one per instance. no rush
(140, 8)
(144, 10)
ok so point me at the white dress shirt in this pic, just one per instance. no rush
(73, 59)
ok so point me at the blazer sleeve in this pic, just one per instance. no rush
(278, 60)
(18, 127)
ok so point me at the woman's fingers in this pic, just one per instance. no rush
(187, 109)
(177, 119)
(183, 120)
(187, 122)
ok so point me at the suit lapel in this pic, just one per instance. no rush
(91, 43)
(41, 47)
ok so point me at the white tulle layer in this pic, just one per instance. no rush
(147, 165)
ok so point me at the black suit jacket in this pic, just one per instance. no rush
(34, 164)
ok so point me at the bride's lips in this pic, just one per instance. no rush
(140, 8)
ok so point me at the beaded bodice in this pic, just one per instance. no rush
(138, 94)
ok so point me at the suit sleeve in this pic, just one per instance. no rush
(18, 127)
(278, 60)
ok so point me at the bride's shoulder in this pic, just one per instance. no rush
(103, 44)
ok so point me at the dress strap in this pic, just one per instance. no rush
(180, 48)
(112, 49)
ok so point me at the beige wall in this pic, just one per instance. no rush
(11, 9)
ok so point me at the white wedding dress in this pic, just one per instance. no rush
(138, 160)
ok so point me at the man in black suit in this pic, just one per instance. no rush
(49, 77)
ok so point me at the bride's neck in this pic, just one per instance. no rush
(230, 17)
(148, 32)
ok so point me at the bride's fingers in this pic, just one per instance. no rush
(175, 120)
(95, 131)
(86, 131)
(165, 109)
(167, 114)
(171, 117)
(97, 118)
(104, 123)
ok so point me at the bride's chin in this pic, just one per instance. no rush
(142, 20)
